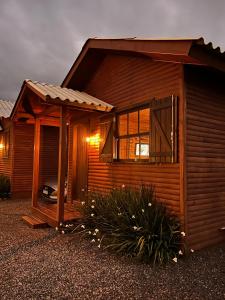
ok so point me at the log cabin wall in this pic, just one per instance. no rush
(128, 80)
(23, 147)
(49, 153)
(205, 96)
(6, 160)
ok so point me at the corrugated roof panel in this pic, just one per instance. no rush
(6, 108)
(69, 95)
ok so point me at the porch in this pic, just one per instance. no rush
(61, 127)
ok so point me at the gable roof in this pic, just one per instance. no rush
(186, 51)
(6, 108)
(61, 96)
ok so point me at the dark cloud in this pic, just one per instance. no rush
(41, 39)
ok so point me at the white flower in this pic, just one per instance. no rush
(63, 232)
(82, 190)
(93, 201)
(99, 246)
(175, 259)
(67, 225)
(149, 204)
(119, 214)
(56, 228)
(182, 233)
(143, 210)
(92, 206)
(192, 250)
(133, 216)
(94, 233)
(82, 226)
(61, 224)
(96, 230)
(135, 227)
(180, 252)
(99, 240)
(89, 232)
(92, 215)
(93, 241)
(82, 203)
(123, 186)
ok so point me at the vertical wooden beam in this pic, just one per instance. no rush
(36, 163)
(62, 164)
(182, 150)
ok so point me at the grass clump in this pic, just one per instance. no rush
(131, 222)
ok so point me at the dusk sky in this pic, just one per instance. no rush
(40, 39)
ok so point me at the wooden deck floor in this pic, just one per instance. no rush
(50, 210)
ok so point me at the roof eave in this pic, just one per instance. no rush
(76, 104)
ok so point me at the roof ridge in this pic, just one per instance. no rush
(6, 100)
(43, 83)
(149, 38)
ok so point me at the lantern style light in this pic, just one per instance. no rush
(93, 139)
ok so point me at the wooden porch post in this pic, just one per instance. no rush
(62, 165)
(36, 163)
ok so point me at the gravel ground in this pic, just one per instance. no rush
(42, 264)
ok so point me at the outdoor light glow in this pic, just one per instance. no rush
(1, 146)
(94, 139)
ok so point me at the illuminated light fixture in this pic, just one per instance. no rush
(94, 139)
(1, 145)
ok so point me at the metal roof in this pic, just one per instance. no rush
(197, 41)
(50, 92)
(6, 108)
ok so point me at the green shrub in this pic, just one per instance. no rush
(132, 222)
(4, 186)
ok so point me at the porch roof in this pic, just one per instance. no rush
(6, 108)
(58, 95)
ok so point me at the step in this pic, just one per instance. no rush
(34, 222)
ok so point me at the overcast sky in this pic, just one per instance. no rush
(40, 39)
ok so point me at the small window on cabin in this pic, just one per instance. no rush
(134, 135)
(4, 144)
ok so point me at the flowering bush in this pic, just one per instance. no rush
(132, 222)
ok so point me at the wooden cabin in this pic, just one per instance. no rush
(133, 112)
(16, 152)
(5, 138)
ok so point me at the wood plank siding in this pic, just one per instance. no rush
(6, 161)
(123, 81)
(205, 96)
(23, 144)
(49, 152)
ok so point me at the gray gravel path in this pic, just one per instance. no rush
(41, 264)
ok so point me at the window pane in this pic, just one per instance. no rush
(134, 149)
(124, 148)
(133, 122)
(144, 147)
(123, 124)
(144, 115)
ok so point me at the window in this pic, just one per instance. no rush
(4, 144)
(134, 134)
(147, 133)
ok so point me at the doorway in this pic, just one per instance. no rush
(79, 162)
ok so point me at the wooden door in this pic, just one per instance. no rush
(80, 162)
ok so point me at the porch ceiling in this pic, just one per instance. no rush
(58, 95)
